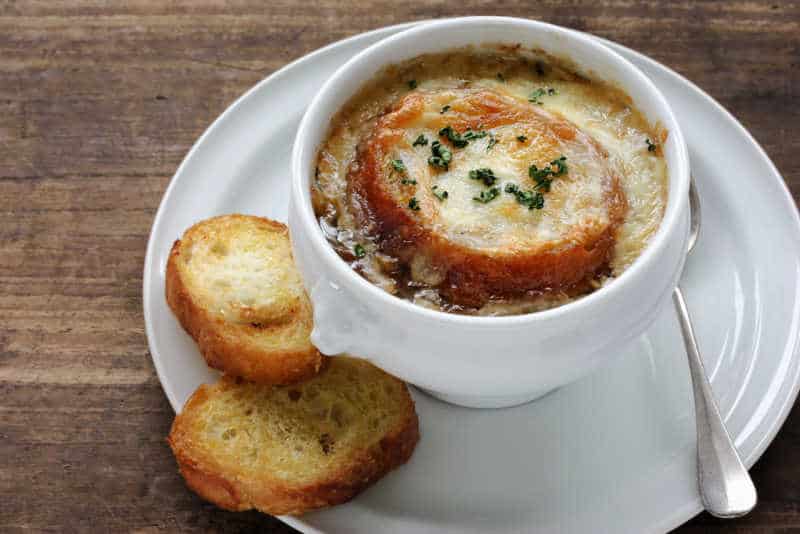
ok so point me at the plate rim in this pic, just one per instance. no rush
(679, 516)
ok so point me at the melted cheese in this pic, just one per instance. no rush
(601, 113)
(575, 204)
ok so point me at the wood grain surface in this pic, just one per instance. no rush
(98, 105)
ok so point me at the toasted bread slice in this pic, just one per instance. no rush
(290, 449)
(478, 235)
(233, 285)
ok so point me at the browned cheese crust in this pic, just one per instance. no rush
(474, 274)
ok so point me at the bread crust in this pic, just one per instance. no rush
(230, 347)
(473, 275)
(239, 491)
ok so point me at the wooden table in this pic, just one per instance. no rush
(98, 105)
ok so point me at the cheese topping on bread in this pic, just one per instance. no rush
(489, 181)
(579, 202)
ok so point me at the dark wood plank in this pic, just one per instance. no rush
(98, 105)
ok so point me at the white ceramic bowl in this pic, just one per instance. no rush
(484, 361)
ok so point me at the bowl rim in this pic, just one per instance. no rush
(300, 194)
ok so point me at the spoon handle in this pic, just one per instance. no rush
(725, 485)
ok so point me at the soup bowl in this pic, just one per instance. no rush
(480, 361)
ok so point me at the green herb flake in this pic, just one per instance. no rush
(539, 93)
(561, 166)
(408, 181)
(485, 175)
(441, 194)
(398, 165)
(544, 176)
(521, 138)
(444, 110)
(358, 251)
(651, 146)
(487, 196)
(441, 155)
(536, 173)
(413, 204)
(420, 141)
(492, 141)
(536, 95)
(543, 184)
(469, 135)
(412, 84)
(460, 140)
(530, 199)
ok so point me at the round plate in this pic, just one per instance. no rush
(614, 452)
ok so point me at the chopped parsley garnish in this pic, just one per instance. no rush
(651, 146)
(412, 84)
(487, 196)
(420, 141)
(537, 174)
(413, 203)
(544, 176)
(486, 175)
(469, 135)
(399, 166)
(441, 155)
(536, 95)
(543, 184)
(492, 142)
(359, 251)
(454, 137)
(444, 109)
(460, 140)
(531, 199)
(441, 194)
(561, 166)
(540, 92)
(521, 138)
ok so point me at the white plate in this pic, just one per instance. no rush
(612, 453)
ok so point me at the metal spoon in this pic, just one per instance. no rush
(725, 485)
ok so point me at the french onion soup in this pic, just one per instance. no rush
(489, 181)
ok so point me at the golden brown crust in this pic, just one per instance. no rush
(242, 490)
(473, 275)
(230, 347)
(199, 477)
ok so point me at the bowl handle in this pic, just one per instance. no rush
(341, 322)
